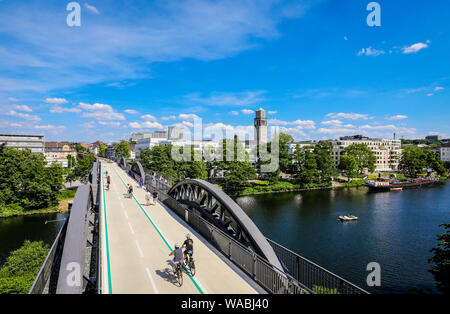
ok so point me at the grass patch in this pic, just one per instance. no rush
(66, 194)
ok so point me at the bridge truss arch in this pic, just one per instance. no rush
(138, 171)
(122, 162)
(218, 208)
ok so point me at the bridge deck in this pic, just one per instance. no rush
(136, 244)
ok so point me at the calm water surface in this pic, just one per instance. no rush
(395, 229)
(15, 230)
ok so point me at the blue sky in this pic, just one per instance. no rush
(316, 66)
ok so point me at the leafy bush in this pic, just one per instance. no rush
(66, 194)
(10, 210)
(22, 267)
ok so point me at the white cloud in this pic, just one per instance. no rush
(49, 127)
(25, 116)
(306, 124)
(370, 52)
(397, 117)
(438, 88)
(149, 117)
(272, 112)
(112, 124)
(234, 113)
(88, 125)
(159, 31)
(185, 116)
(131, 111)
(59, 109)
(351, 116)
(246, 98)
(145, 125)
(172, 117)
(247, 111)
(430, 94)
(414, 48)
(22, 108)
(91, 8)
(100, 112)
(56, 101)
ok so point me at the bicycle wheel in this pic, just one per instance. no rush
(192, 268)
(180, 276)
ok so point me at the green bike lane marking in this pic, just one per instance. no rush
(106, 232)
(162, 237)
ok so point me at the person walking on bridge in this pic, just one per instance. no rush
(130, 190)
(148, 197)
(155, 197)
(141, 182)
(108, 182)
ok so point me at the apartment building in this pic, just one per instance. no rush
(23, 141)
(445, 152)
(386, 151)
(58, 152)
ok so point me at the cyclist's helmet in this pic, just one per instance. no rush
(177, 245)
(188, 236)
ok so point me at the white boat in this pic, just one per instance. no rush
(348, 217)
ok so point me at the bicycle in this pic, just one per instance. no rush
(179, 273)
(189, 263)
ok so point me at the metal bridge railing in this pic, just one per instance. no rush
(44, 282)
(313, 276)
(269, 277)
(76, 247)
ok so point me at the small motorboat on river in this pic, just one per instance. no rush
(348, 217)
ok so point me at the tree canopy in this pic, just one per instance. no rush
(441, 260)
(363, 156)
(414, 159)
(123, 149)
(26, 182)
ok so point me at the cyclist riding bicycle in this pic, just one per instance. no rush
(177, 256)
(189, 244)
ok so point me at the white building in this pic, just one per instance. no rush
(387, 152)
(23, 141)
(445, 152)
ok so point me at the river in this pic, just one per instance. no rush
(395, 229)
(15, 230)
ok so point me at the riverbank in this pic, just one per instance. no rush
(283, 187)
(64, 198)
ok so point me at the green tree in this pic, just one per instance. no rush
(441, 260)
(102, 150)
(349, 165)
(21, 268)
(26, 182)
(237, 171)
(306, 169)
(363, 156)
(285, 158)
(324, 160)
(159, 159)
(82, 168)
(123, 149)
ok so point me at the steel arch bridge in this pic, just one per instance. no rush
(218, 208)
